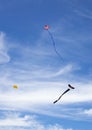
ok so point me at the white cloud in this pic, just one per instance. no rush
(16, 121)
(38, 97)
(46, 92)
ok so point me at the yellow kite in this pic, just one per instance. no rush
(15, 86)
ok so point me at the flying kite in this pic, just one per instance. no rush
(15, 86)
(70, 87)
(46, 27)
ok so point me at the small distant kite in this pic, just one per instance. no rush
(70, 87)
(46, 27)
(15, 86)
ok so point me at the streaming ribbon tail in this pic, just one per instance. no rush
(61, 96)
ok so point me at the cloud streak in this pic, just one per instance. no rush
(4, 57)
(86, 14)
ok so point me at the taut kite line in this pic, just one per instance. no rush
(46, 27)
(70, 87)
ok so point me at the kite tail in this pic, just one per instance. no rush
(54, 45)
(66, 91)
(61, 95)
(55, 101)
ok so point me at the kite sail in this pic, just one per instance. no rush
(46, 27)
(70, 87)
(15, 86)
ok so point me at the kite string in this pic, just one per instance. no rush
(54, 45)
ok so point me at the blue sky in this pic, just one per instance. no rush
(28, 59)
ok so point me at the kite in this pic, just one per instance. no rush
(46, 27)
(70, 87)
(15, 86)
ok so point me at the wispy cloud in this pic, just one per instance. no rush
(86, 14)
(4, 57)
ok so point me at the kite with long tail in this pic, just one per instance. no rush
(70, 87)
(46, 27)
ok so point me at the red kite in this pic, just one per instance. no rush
(46, 27)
